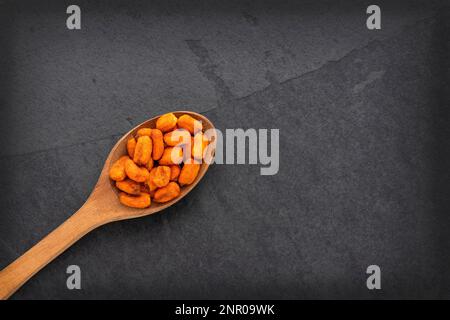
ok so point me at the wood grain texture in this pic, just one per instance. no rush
(101, 207)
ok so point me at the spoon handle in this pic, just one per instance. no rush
(24, 267)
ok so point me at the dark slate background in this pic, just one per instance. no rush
(364, 151)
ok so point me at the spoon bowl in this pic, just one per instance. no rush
(101, 207)
(120, 149)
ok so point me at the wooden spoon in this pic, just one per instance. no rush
(101, 207)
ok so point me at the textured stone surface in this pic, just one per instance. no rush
(364, 153)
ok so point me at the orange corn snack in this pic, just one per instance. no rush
(166, 122)
(117, 171)
(141, 201)
(174, 172)
(143, 150)
(161, 176)
(189, 123)
(158, 144)
(167, 193)
(151, 185)
(129, 186)
(131, 145)
(188, 173)
(134, 172)
(171, 156)
(144, 132)
(177, 137)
